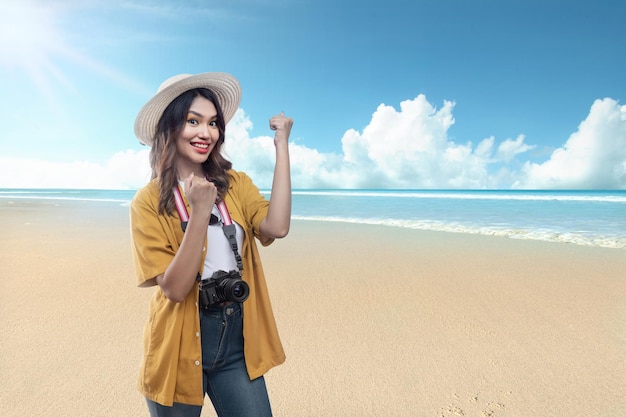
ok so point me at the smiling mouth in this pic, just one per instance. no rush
(203, 146)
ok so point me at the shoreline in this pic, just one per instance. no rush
(375, 320)
(115, 205)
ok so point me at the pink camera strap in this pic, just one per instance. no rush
(227, 224)
(184, 214)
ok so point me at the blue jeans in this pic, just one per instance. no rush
(225, 378)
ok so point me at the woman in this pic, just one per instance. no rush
(191, 346)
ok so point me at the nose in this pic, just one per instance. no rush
(204, 132)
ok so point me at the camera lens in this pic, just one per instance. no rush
(236, 290)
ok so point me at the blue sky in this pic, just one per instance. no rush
(394, 94)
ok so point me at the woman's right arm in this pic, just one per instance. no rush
(180, 276)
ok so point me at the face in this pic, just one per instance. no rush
(198, 137)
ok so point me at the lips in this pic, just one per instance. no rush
(200, 147)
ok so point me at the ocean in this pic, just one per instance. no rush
(590, 218)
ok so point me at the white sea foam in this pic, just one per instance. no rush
(541, 235)
(477, 195)
(590, 218)
(65, 198)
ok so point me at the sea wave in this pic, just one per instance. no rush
(36, 192)
(94, 199)
(617, 197)
(614, 242)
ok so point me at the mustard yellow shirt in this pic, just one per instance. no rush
(171, 369)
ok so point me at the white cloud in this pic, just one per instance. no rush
(124, 170)
(409, 148)
(256, 156)
(593, 157)
(510, 148)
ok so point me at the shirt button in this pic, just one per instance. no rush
(197, 363)
(197, 334)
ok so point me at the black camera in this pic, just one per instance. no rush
(222, 287)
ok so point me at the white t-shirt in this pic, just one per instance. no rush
(219, 254)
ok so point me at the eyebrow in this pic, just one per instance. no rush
(201, 115)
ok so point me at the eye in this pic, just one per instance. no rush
(193, 122)
(213, 123)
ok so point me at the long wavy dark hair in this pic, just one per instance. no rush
(163, 155)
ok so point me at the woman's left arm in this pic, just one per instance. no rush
(276, 223)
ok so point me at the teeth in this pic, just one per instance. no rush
(200, 145)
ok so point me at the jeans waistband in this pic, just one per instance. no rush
(224, 310)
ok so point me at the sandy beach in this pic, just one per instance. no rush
(375, 320)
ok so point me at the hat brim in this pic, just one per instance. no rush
(225, 87)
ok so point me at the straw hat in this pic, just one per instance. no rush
(225, 87)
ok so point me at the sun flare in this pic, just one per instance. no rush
(34, 44)
(28, 37)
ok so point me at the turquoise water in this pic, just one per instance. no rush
(592, 218)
